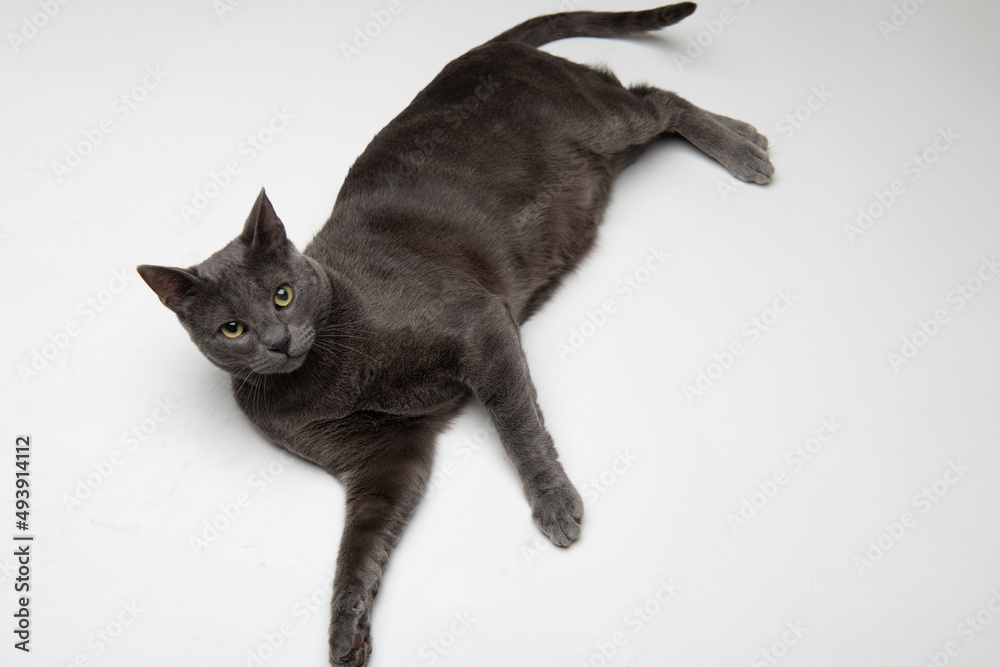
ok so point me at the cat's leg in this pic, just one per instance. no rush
(636, 116)
(741, 127)
(498, 373)
(736, 145)
(381, 497)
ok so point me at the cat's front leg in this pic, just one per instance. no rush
(498, 373)
(382, 493)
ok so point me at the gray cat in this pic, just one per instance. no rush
(456, 224)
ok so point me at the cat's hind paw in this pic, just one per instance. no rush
(742, 128)
(747, 161)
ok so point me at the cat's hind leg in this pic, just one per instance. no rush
(736, 145)
(741, 127)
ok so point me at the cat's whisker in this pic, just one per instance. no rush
(342, 335)
(263, 397)
(346, 334)
(209, 392)
(235, 390)
(320, 345)
(341, 327)
(212, 413)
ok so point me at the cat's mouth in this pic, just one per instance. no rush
(287, 360)
(278, 362)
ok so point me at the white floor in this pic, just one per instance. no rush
(786, 432)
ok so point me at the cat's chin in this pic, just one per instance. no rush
(279, 365)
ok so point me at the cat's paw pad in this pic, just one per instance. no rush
(558, 513)
(350, 639)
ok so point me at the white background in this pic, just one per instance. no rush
(114, 530)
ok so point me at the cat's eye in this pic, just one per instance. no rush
(283, 296)
(232, 329)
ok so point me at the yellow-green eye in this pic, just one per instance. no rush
(283, 296)
(232, 329)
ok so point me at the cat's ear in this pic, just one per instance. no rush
(263, 230)
(176, 287)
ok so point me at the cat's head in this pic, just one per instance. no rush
(255, 305)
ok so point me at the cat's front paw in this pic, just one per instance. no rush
(350, 637)
(558, 513)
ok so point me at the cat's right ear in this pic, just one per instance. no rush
(175, 287)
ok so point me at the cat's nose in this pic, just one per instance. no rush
(281, 345)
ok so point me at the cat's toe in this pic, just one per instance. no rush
(742, 128)
(558, 513)
(354, 651)
(350, 639)
(760, 140)
(750, 163)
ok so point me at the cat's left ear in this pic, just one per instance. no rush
(263, 230)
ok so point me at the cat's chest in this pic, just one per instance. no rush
(411, 371)
(280, 405)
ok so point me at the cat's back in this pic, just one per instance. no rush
(484, 178)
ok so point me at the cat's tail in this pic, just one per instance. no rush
(545, 29)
